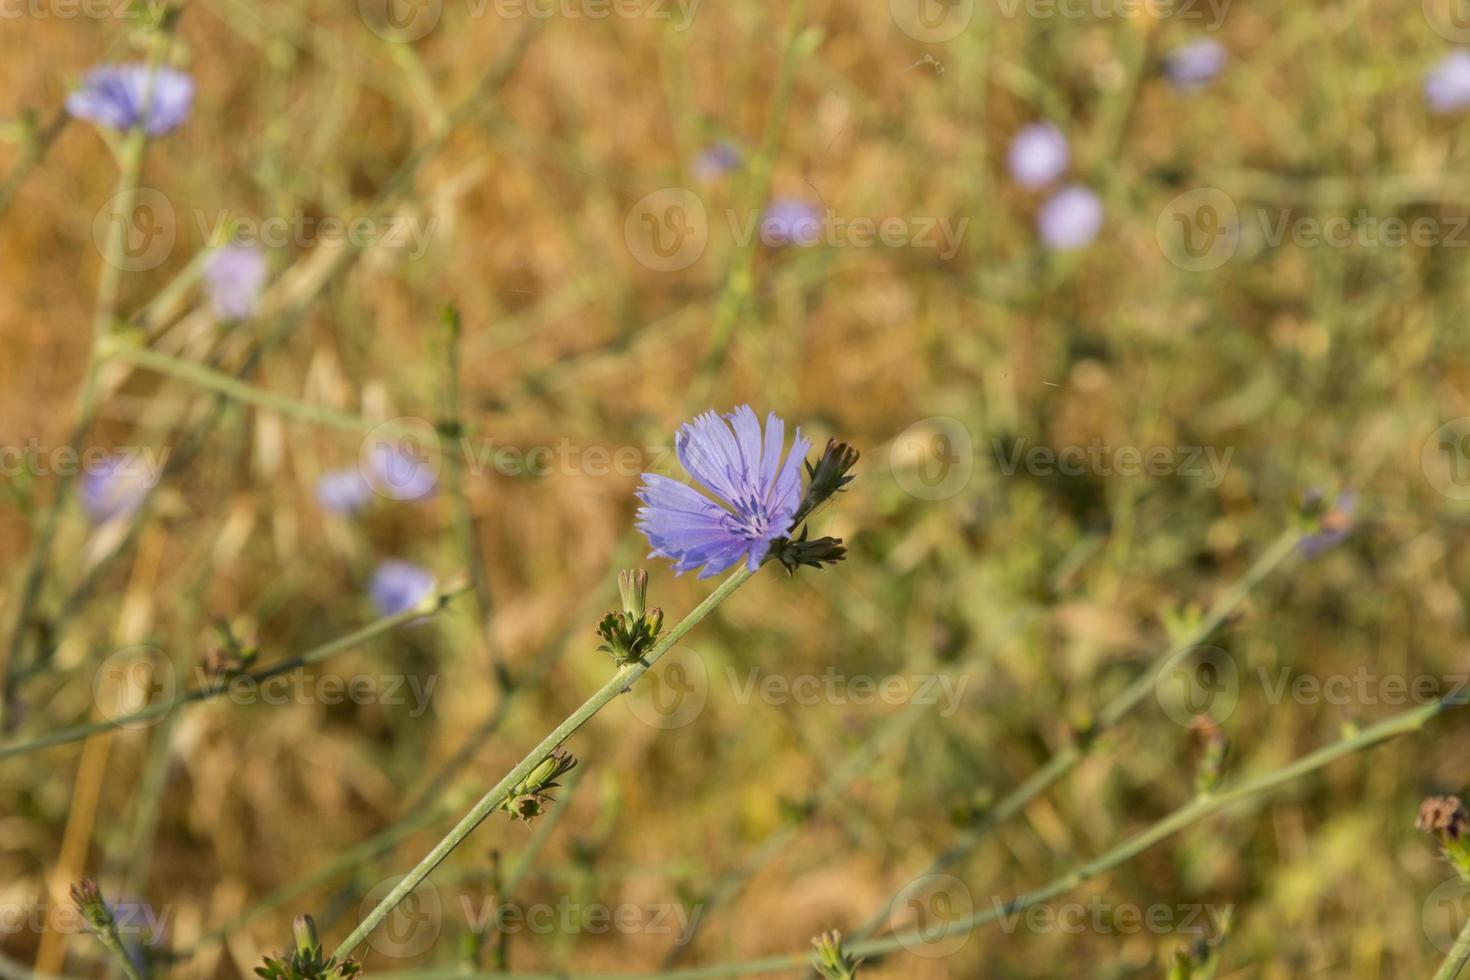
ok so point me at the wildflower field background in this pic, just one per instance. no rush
(1208, 412)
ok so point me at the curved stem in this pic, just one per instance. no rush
(623, 679)
(165, 708)
(1458, 956)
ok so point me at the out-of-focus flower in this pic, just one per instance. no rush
(1334, 523)
(757, 494)
(116, 487)
(716, 161)
(116, 96)
(1039, 155)
(1447, 86)
(233, 279)
(399, 586)
(395, 471)
(790, 221)
(1195, 65)
(343, 491)
(1071, 218)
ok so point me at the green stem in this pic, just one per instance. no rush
(1459, 955)
(165, 708)
(1111, 714)
(1191, 813)
(623, 679)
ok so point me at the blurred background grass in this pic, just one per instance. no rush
(1319, 367)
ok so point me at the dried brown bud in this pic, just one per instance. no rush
(1443, 816)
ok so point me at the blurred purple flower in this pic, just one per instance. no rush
(116, 487)
(1071, 218)
(791, 221)
(1194, 65)
(1039, 155)
(397, 471)
(233, 279)
(343, 491)
(115, 96)
(1447, 86)
(398, 586)
(717, 160)
(756, 495)
(1334, 526)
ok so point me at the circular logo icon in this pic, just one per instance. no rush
(673, 692)
(934, 458)
(925, 910)
(932, 21)
(1445, 459)
(413, 925)
(401, 459)
(1199, 230)
(1445, 912)
(144, 224)
(1450, 19)
(667, 230)
(1203, 684)
(130, 680)
(400, 20)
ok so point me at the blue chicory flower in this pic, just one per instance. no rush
(1335, 525)
(343, 491)
(115, 96)
(715, 161)
(1195, 65)
(756, 496)
(398, 586)
(233, 280)
(1039, 155)
(1071, 218)
(790, 221)
(115, 488)
(1447, 86)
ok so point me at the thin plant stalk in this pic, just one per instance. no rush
(620, 682)
(1458, 956)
